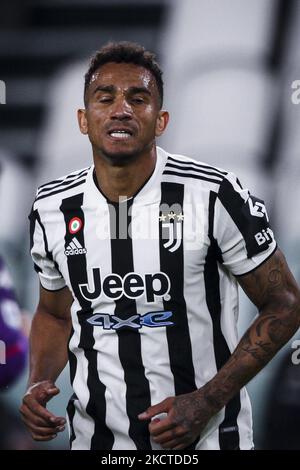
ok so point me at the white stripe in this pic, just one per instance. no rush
(229, 296)
(199, 319)
(190, 171)
(60, 187)
(72, 245)
(178, 179)
(70, 177)
(154, 344)
(76, 242)
(110, 369)
(192, 167)
(83, 425)
(199, 164)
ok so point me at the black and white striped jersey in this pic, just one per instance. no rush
(155, 296)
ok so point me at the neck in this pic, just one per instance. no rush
(118, 181)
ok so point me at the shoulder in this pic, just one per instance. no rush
(51, 193)
(187, 170)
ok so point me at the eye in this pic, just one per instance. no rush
(138, 100)
(105, 99)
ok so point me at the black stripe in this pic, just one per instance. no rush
(71, 414)
(60, 180)
(63, 183)
(48, 252)
(71, 407)
(198, 165)
(227, 440)
(138, 397)
(198, 170)
(35, 217)
(189, 175)
(172, 264)
(32, 222)
(248, 224)
(103, 438)
(60, 190)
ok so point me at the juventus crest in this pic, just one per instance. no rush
(171, 229)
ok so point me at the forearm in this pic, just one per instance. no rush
(48, 346)
(270, 331)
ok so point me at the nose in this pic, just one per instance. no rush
(121, 110)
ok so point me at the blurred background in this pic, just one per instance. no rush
(229, 67)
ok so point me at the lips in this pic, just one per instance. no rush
(120, 133)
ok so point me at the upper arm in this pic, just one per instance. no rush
(57, 303)
(241, 228)
(271, 284)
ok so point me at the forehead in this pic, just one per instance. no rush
(122, 75)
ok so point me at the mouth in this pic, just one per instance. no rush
(120, 134)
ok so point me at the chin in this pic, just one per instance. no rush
(121, 156)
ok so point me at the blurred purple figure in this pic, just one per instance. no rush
(13, 340)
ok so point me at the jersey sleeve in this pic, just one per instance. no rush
(48, 271)
(241, 228)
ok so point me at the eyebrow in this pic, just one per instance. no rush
(141, 89)
(105, 88)
(110, 89)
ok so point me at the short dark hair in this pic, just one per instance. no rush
(129, 53)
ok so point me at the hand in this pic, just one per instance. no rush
(41, 424)
(187, 416)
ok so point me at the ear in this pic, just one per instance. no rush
(82, 121)
(161, 122)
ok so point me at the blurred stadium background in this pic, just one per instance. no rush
(228, 67)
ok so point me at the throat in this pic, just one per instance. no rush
(121, 183)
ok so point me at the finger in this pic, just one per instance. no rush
(156, 428)
(41, 431)
(43, 438)
(162, 407)
(174, 443)
(175, 433)
(26, 413)
(42, 412)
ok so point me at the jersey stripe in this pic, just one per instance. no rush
(48, 252)
(71, 414)
(62, 184)
(61, 190)
(77, 266)
(178, 336)
(197, 165)
(71, 407)
(188, 166)
(191, 175)
(227, 440)
(32, 221)
(69, 178)
(138, 391)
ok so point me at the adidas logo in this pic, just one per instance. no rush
(74, 248)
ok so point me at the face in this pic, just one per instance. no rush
(122, 117)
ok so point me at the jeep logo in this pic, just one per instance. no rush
(131, 286)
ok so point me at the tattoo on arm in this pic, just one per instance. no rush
(273, 289)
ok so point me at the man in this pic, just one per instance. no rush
(146, 249)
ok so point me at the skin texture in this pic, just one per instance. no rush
(272, 288)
